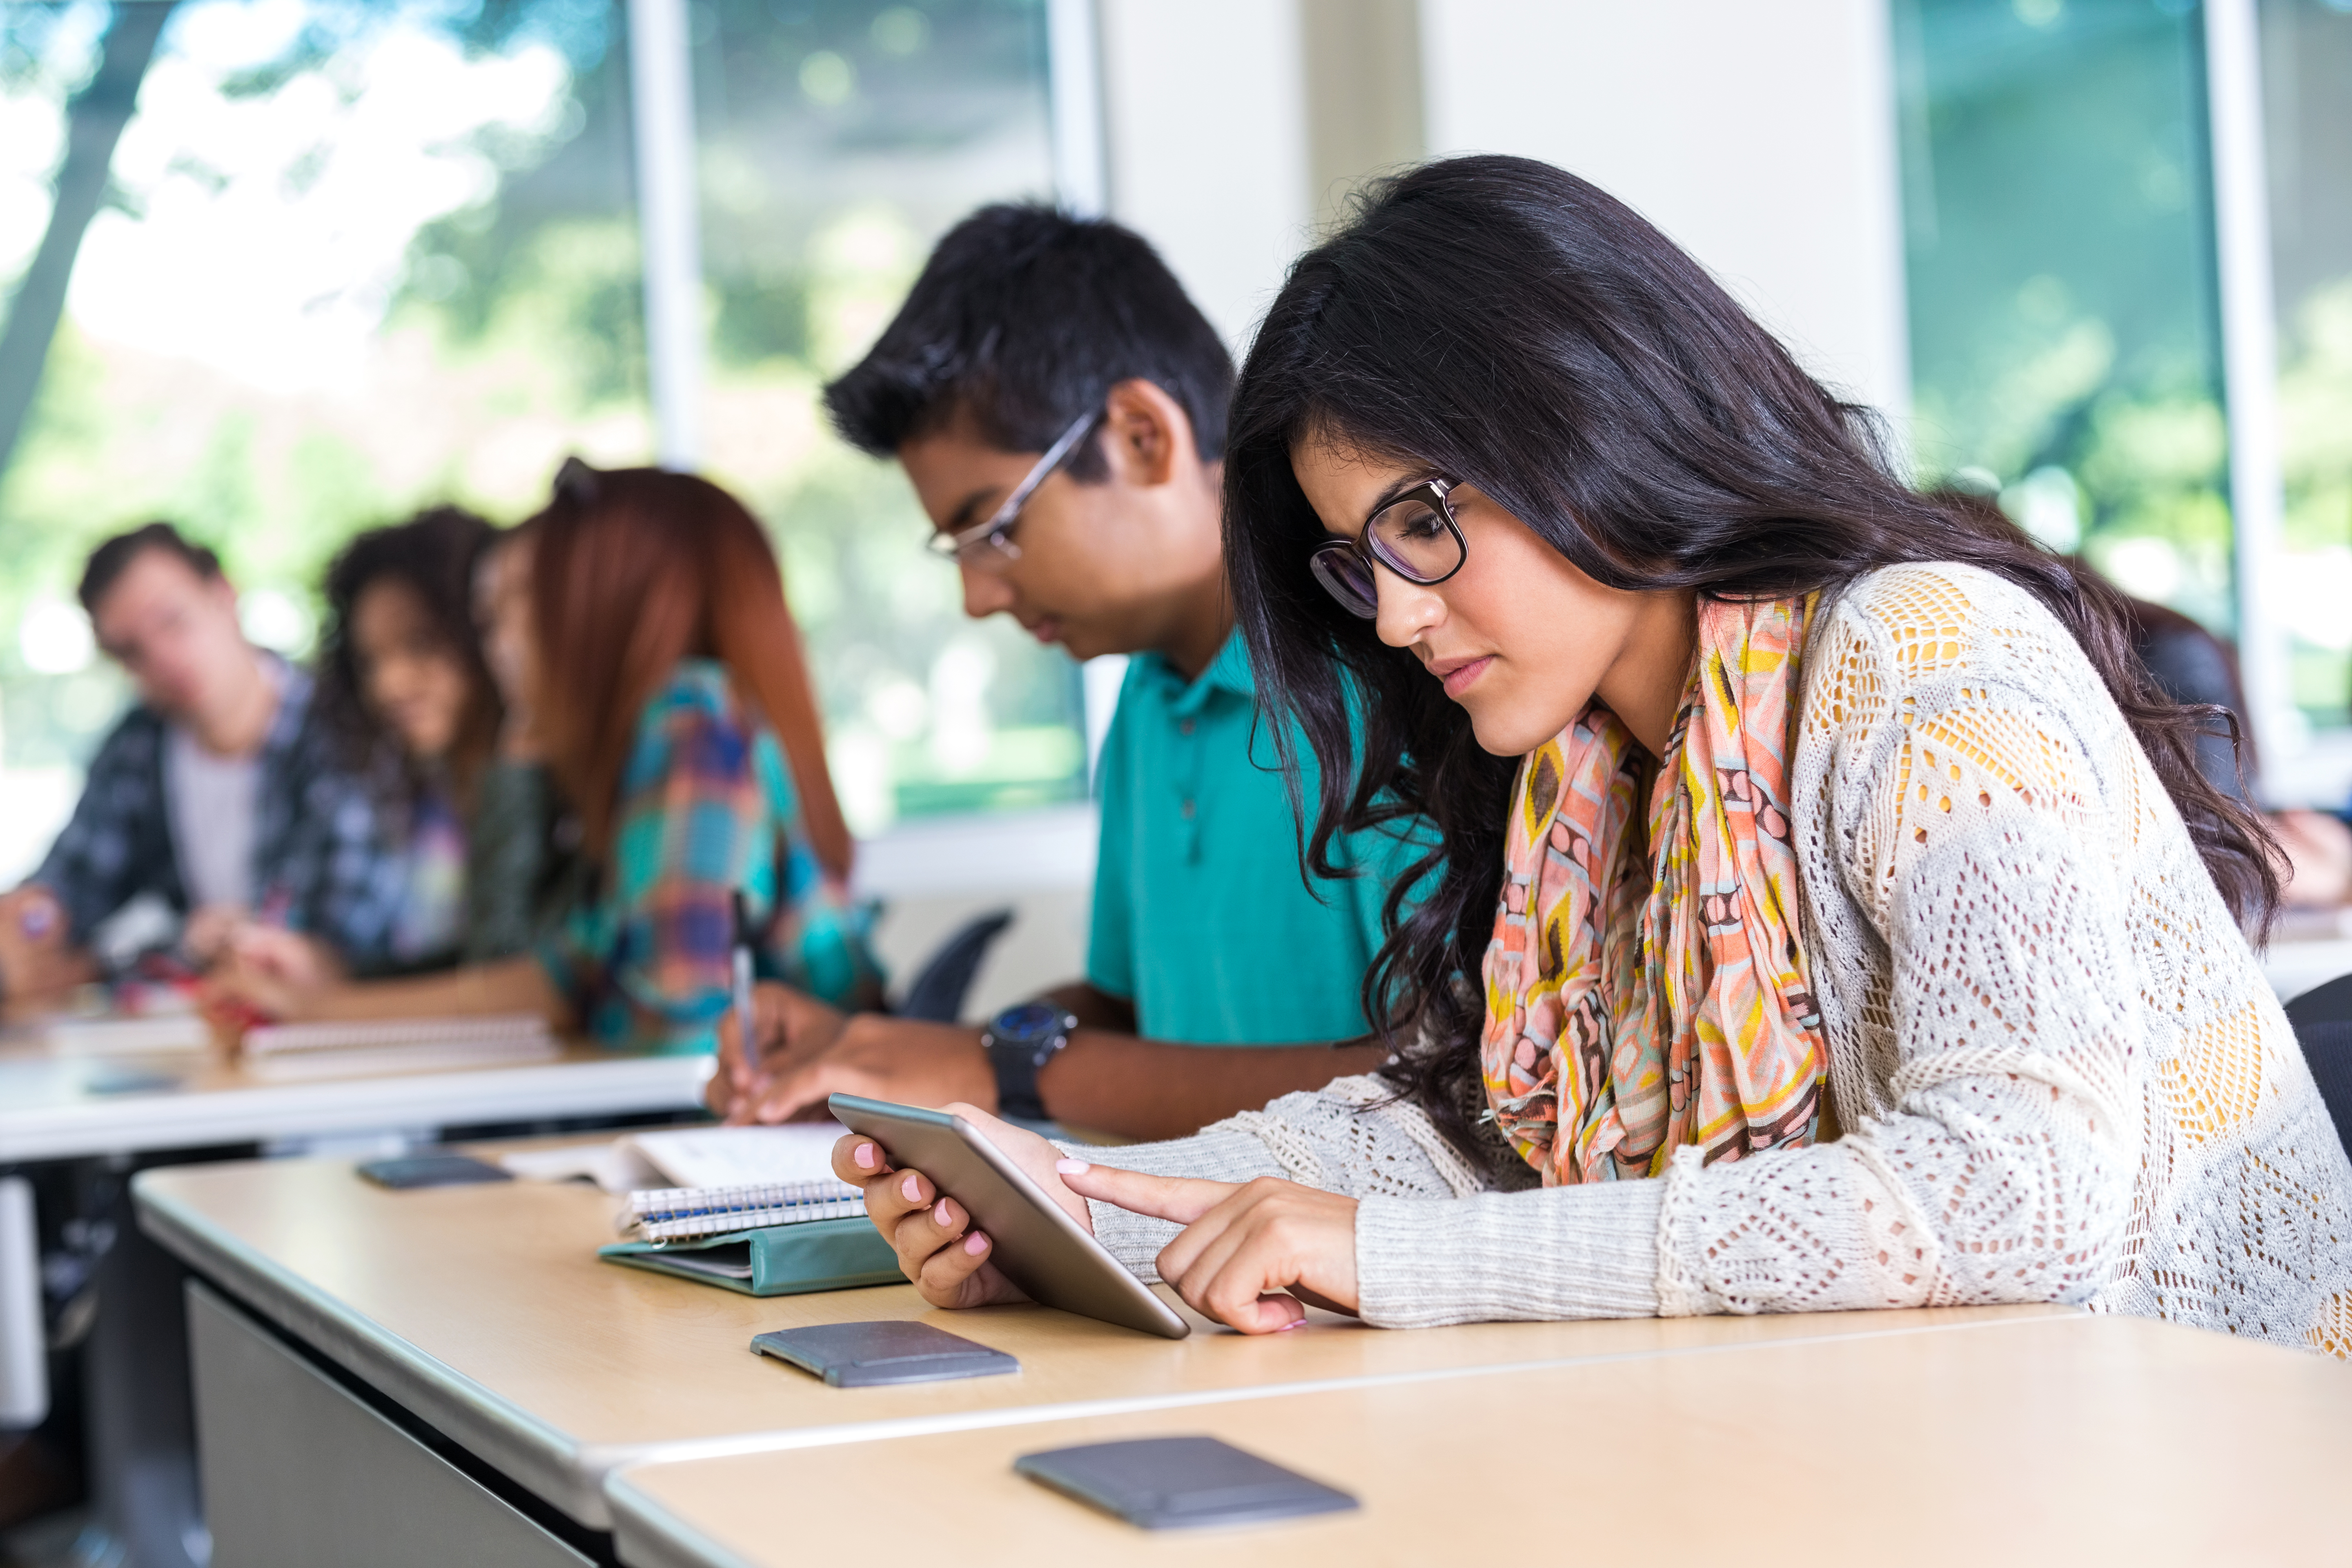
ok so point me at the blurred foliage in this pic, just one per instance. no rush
(836, 138)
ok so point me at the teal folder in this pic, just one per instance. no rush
(780, 1260)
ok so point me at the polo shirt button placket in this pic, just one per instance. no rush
(1188, 785)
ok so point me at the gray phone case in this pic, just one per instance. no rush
(1038, 1245)
(861, 1355)
(1181, 1483)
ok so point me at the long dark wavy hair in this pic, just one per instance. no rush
(432, 555)
(1506, 324)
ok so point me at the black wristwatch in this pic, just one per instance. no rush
(1020, 1041)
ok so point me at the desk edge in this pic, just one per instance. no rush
(537, 1456)
(647, 1535)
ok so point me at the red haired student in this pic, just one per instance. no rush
(676, 712)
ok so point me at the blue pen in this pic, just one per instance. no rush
(744, 982)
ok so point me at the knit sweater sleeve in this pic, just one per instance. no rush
(1353, 1136)
(1433, 1245)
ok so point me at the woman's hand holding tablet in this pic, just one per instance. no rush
(1251, 1256)
(937, 1248)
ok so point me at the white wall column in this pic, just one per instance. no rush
(1761, 137)
(1074, 86)
(1206, 110)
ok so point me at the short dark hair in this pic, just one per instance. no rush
(1024, 317)
(108, 562)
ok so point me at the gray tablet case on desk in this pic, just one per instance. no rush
(1181, 1483)
(864, 1355)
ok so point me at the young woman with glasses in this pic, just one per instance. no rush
(1831, 912)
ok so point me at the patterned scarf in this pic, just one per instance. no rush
(1640, 999)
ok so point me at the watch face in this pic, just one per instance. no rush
(1030, 1022)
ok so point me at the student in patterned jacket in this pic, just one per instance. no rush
(684, 731)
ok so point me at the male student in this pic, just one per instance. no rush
(1059, 405)
(215, 794)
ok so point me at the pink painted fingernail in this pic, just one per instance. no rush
(1072, 1167)
(913, 1187)
(940, 1211)
(866, 1157)
(1286, 1328)
(975, 1244)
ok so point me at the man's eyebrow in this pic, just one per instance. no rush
(963, 517)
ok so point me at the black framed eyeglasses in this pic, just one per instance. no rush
(990, 544)
(1416, 536)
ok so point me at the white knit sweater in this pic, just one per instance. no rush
(2059, 1074)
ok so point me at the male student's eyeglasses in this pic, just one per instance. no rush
(1414, 536)
(990, 543)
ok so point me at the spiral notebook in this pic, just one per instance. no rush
(681, 1214)
(766, 1238)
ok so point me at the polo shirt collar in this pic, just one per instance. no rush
(1228, 672)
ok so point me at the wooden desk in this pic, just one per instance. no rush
(482, 1313)
(2070, 1441)
(54, 1108)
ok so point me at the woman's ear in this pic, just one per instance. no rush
(1147, 435)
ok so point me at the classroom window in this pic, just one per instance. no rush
(2306, 66)
(351, 257)
(2065, 320)
(839, 139)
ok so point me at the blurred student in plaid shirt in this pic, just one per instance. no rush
(217, 798)
(676, 713)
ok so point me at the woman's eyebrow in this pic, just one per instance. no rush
(1388, 497)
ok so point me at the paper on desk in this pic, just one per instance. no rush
(151, 1034)
(690, 1157)
(614, 1166)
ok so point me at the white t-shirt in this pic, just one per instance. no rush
(214, 802)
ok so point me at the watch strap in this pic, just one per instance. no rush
(1017, 1063)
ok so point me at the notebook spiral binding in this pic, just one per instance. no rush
(678, 1213)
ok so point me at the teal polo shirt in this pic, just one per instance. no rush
(1200, 917)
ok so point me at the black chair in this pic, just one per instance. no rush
(2322, 1018)
(937, 991)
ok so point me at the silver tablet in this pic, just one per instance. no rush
(1036, 1244)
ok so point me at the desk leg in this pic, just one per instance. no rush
(142, 1442)
(24, 1337)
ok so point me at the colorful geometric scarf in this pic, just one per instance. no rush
(1640, 999)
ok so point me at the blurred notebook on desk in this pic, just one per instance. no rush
(688, 1157)
(155, 1035)
(282, 1052)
